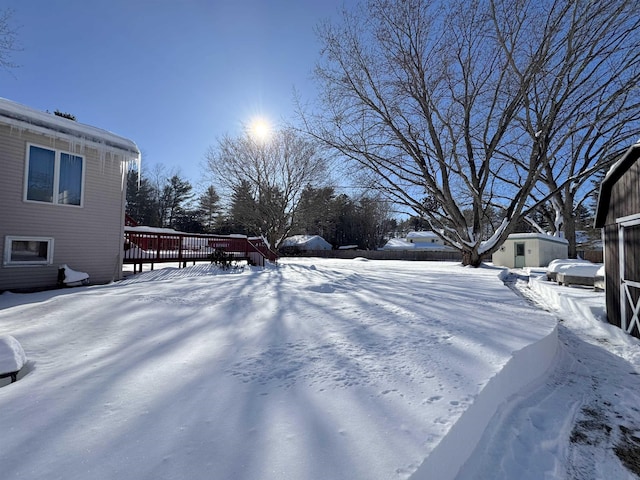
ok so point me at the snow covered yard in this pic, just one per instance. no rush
(315, 369)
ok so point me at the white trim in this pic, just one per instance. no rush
(8, 241)
(56, 176)
(625, 297)
(622, 295)
(629, 220)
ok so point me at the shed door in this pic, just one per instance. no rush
(519, 260)
(629, 238)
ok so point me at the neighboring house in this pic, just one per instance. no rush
(63, 190)
(303, 243)
(424, 240)
(530, 250)
(618, 214)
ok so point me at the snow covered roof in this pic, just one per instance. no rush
(539, 236)
(22, 117)
(402, 244)
(310, 242)
(422, 235)
(145, 229)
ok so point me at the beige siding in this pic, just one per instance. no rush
(87, 238)
(538, 251)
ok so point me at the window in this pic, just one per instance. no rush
(54, 177)
(28, 251)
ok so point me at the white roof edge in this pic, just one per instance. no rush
(21, 116)
(540, 236)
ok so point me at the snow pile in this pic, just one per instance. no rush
(582, 303)
(556, 266)
(581, 420)
(73, 278)
(12, 356)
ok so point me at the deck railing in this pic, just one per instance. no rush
(151, 247)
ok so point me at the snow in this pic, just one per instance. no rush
(307, 242)
(559, 264)
(422, 235)
(23, 117)
(402, 244)
(146, 229)
(12, 357)
(314, 369)
(539, 236)
(73, 277)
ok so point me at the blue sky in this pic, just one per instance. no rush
(172, 75)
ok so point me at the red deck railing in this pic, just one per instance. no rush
(142, 247)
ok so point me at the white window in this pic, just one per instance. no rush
(28, 250)
(53, 176)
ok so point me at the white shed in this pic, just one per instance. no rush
(530, 250)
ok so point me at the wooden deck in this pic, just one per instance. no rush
(153, 247)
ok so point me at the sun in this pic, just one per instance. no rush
(260, 129)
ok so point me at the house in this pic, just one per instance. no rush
(63, 190)
(418, 241)
(522, 250)
(618, 214)
(303, 243)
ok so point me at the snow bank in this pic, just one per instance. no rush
(583, 303)
(525, 368)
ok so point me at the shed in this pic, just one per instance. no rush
(618, 214)
(522, 250)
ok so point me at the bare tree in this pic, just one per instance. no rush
(589, 110)
(276, 170)
(435, 99)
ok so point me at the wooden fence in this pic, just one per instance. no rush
(416, 255)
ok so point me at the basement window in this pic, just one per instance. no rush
(20, 251)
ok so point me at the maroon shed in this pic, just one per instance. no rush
(618, 214)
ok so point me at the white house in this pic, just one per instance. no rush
(425, 240)
(530, 250)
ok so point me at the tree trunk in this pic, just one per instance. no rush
(471, 258)
(570, 228)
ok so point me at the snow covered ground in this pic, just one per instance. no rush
(317, 369)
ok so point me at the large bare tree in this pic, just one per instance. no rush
(589, 109)
(276, 168)
(436, 100)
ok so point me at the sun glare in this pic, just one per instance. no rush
(260, 129)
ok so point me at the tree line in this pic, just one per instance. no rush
(171, 202)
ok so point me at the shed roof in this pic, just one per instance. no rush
(613, 175)
(26, 118)
(537, 236)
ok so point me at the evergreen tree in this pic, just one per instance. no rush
(141, 200)
(243, 214)
(209, 208)
(175, 194)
